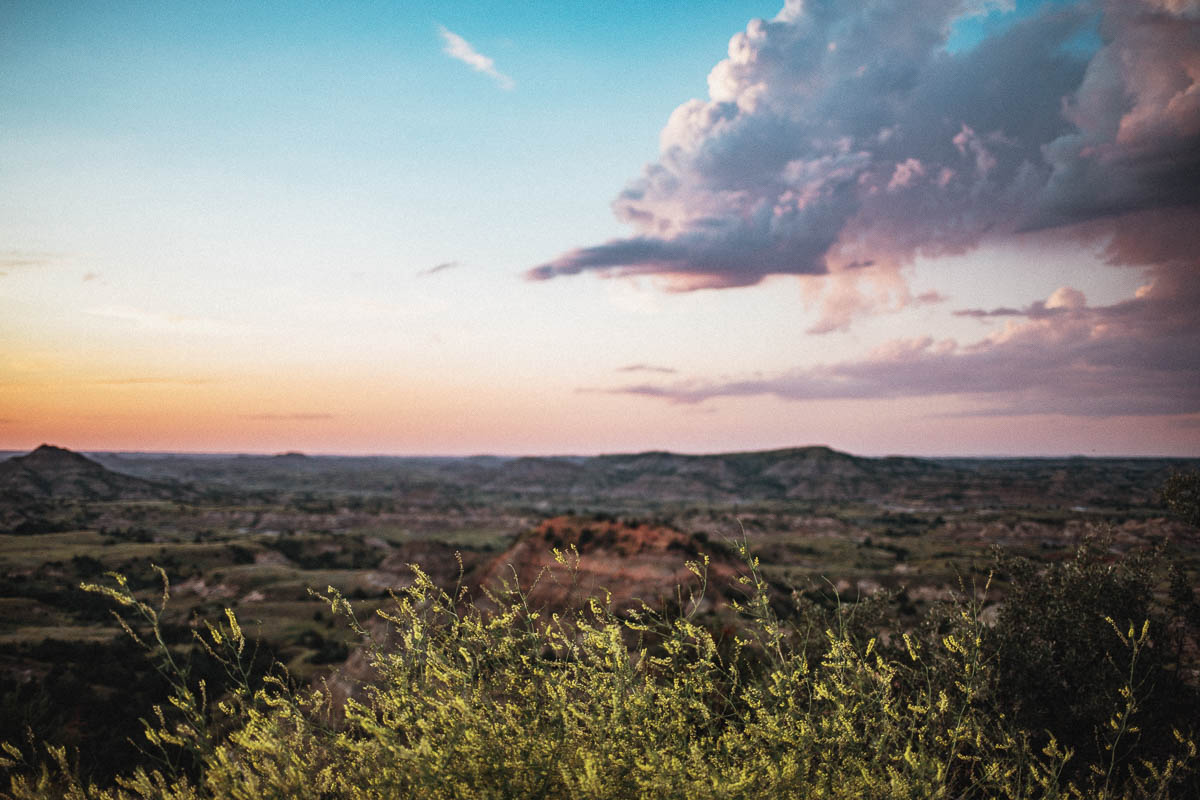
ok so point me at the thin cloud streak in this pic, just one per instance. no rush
(460, 49)
(647, 368)
(932, 297)
(14, 259)
(153, 320)
(152, 381)
(1065, 299)
(439, 268)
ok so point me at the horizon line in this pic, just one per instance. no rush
(11, 452)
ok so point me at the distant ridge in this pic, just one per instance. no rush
(56, 473)
(814, 472)
(643, 480)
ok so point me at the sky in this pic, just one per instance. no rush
(926, 227)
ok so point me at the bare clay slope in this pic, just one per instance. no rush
(633, 562)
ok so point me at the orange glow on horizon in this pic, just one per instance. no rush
(360, 415)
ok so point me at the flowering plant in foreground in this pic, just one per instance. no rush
(507, 701)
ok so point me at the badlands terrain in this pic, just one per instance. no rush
(260, 533)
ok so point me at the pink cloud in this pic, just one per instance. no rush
(843, 133)
(905, 174)
(1059, 355)
(841, 140)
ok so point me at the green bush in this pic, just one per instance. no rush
(1066, 642)
(1181, 494)
(516, 702)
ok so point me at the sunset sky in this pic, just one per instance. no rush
(929, 227)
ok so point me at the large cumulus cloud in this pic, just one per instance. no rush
(843, 138)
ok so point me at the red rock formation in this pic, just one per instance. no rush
(630, 561)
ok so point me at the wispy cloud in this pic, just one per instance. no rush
(647, 368)
(152, 381)
(460, 49)
(930, 298)
(153, 320)
(14, 259)
(1057, 356)
(438, 268)
(1065, 299)
(300, 417)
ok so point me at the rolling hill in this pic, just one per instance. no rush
(55, 473)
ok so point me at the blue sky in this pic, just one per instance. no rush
(219, 225)
(193, 110)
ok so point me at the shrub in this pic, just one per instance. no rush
(1181, 494)
(1066, 644)
(517, 702)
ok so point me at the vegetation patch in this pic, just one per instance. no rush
(1082, 686)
